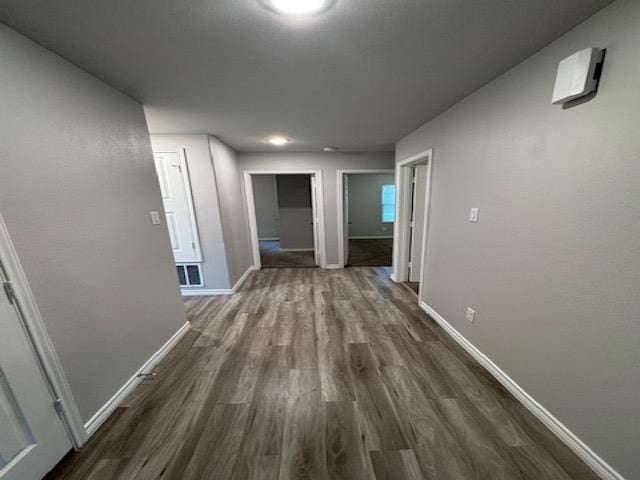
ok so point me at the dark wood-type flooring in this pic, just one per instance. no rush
(370, 252)
(319, 374)
(272, 257)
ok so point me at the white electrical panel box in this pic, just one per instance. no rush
(577, 75)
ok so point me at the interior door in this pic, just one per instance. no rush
(417, 221)
(314, 221)
(345, 217)
(32, 436)
(173, 177)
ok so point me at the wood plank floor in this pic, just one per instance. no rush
(370, 252)
(272, 257)
(319, 374)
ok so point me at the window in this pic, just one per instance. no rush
(388, 202)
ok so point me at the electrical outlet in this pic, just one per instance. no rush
(155, 218)
(470, 315)
(473, 214)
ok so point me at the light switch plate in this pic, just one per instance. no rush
(473, 214)
(470, 314)
(155, 218)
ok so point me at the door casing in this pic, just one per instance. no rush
(317, 207)
(341, 215)
(401, 240)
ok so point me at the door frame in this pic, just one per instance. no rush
(403, 217)
(340, 206)
(36, 332)
(318, 214)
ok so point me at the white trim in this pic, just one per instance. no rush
(371, 237)
(269, 239)
(318, 214)
(39, 337)
(107, 409)
(333, 266)
(570, 439)
(186, 180)
(297, 249)
(403, 212)
(204, 292)
(340, 205)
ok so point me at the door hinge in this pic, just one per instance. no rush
(193, 245)
(9, 291)
(59, 407)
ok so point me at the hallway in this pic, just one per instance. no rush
(327, 374)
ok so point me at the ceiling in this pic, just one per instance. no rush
(359, 76)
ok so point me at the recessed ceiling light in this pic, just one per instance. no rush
(330, 149)
(298, 7)
(278, 140)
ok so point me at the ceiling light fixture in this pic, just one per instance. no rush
(298, 7)
(330, 149)
(278, 140)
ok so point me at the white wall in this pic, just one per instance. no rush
(553, 266)
(265, 194)
(365, 207)
(295, 211)
(76, 188)
(233, 213)
(328, 163)
(205, 200)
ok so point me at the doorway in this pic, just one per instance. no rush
(366, 214)
(413, 180)
(285, 211)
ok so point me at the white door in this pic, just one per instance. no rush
(173, 177)
(417, 221)
(315, 221)
(32, 436)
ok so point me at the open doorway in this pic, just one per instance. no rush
(413, 179)
(366, 214)
(284, 216)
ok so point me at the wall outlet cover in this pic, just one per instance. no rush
(473, 214)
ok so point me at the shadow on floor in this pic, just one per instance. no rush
(273, 257)
(370, 252)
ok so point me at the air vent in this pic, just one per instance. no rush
(189, 275)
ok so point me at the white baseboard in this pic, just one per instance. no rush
(333, 266)
(206, 292)
(296, 249)
(393, 277)
(597, 464)
(107, 409)
(241, 280)
(371, 237)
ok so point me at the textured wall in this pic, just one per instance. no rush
(76, 188)
(233, 214)
(365, 207)
(295, 210)
(266, 203)
(553, 266)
